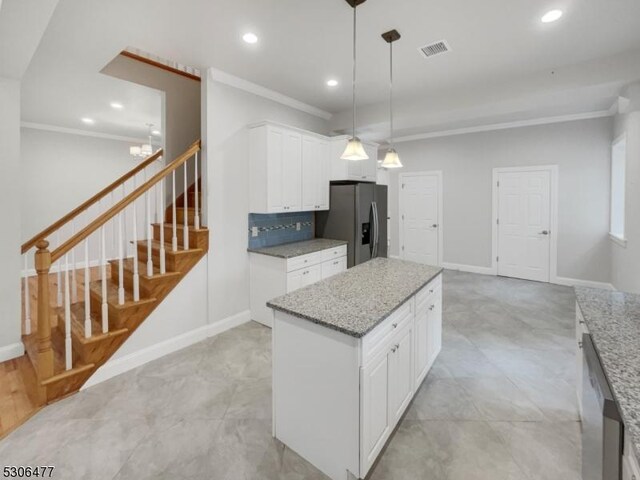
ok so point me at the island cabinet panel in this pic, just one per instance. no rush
(338, 397)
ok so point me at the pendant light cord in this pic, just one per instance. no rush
(390, 94)
(354, 70)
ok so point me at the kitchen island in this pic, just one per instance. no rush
(349, 353)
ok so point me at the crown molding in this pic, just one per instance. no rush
(250, 87)
(76, 131)
(507, 125)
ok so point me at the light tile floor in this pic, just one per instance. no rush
(498, 404)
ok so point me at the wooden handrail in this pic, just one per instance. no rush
(124, 203)
(90, 202)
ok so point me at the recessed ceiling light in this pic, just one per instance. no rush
(250, 38)
(551, 16)
(117, 105)
(155, 132)
(332, 83)
(88, 121)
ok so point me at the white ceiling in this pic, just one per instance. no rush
(501, 52)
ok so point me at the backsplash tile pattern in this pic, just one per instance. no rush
(279, 228)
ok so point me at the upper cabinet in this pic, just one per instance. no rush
(361, 171)
(288, 170)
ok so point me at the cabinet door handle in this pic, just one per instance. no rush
(579, 344)
(431, 290)
(395, 325)
(394, 349)
(432, 307)
(397, 346)
(336, 263)
(581, 322)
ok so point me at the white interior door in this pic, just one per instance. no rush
(419, 223)
(524, 216)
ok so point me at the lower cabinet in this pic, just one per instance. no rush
(271, 276)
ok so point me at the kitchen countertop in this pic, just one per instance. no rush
(357, 300)
(296, 249)
(613, 320)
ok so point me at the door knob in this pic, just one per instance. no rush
(544, 232)
(435, 225)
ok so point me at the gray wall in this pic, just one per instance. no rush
(581, 149)
(10, 345)
(226, 161)
(181, 114)
(625, 261)
(59, 171)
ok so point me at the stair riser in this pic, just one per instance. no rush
(180, 216)
(92, 352)
(174, 262)
(120, 316)
(197, 239)
(149, 287)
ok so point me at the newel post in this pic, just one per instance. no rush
(45, 351)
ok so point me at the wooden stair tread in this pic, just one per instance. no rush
(155, 246)
(127, 265)
(112, 295)
(59, 368)
(180, 227)
(77, 325)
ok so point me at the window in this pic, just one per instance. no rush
(618, 166)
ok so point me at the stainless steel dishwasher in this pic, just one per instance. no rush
(602, 429)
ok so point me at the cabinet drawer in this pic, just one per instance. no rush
(333, 267)
(383, 335)
(433, 288)
(302, 261)
(337, 252)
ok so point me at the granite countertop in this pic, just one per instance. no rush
(296, 249)
(613, 320)
(357, 300)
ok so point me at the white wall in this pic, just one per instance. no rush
(59, 171)
(625, 261)
(581, 149)
(226, 160)
(10, 345)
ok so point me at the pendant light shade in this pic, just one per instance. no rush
(355, 150)
(391, 159)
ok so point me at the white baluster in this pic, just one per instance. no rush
(67, 316)
(185, 238)
(124, 227)
(120, 261)
(113, 230)
(163, 262)
(174, 239)
(197, 200)
(103, 276)
(58, 276)
(27, 299)
(136, 274)
(87, 297)
(74, 280)
(149, 232)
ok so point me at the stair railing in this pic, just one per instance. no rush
(93, 235)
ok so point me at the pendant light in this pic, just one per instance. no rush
(391, 159)
(354, 150)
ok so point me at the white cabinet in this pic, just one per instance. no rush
(581, 328)
(361, 170)
(333, 267)
(401, 374)
(315, 173)
(288, 169)
(301, 278)
(375, 409)
(271, 277)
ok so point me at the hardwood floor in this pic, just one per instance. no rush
(15, 404)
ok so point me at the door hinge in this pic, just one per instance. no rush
(497, 259)
(497, 221)
(403, 248)
(498, 183)
(403, 185)
(402, 217)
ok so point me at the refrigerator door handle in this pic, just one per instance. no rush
(376, 224)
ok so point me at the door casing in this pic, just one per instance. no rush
(553, 202)
(401, 177)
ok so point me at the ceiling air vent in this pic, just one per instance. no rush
(435, 48)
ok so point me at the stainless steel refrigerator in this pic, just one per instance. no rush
(358, 215)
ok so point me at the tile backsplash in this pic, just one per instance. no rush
(278, 228)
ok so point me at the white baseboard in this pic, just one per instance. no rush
(576, 282)
(146, 355)
(468, 268)
(396, 257)
(13, 350)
